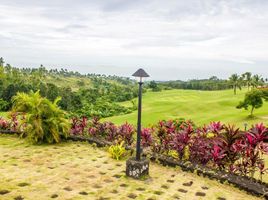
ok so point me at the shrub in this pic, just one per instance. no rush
(181, 139)
(117, 151)
(4, 105)
(226, 141)
(168, 134)
(94, 127)
(4, 124)
(126, 132)
(78, 125)
(105, 130)
(201, 148)
(44, 120)
(146, 137)
(251, 147)
(14, 122)
(215, 145)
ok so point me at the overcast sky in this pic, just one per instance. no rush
(172, 39)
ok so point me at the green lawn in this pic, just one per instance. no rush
(77, 171)
(200, 106)
(3, 114)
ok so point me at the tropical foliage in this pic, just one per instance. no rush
(254, 99)
(81, 95)
(117, 151)
(44, 121)
(236, 82)
(215, 145)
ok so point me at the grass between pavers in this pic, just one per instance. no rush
(75, 170)
(200, 106)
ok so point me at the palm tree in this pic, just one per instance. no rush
(44, 120)
(236, 82)
(2, 62)
(248, 79)
(257, 81)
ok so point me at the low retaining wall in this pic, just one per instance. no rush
(253, 186)
(9, 132)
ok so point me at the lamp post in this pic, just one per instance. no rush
(245, 125)
(136, 167)
(140, 74)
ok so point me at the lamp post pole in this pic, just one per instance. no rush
(138, 152)
(138, 167)
(245, 125)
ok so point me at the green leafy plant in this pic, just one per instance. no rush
(44, 121)
(3, 105)
(117, 151)
(254, 99)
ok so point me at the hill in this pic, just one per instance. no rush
(81, 94)
(200, 106)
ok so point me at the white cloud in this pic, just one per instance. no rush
(177, 35)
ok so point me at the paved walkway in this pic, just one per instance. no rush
(80, 171)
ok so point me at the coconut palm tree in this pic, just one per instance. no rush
(2, 62)
(44, 120)
(236, 82)
(248, 79)
(257, 81)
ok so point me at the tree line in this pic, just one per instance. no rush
(246, 80)
(234, 82)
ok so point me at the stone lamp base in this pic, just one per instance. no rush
(136, 169)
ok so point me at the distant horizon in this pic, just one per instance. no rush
(174, 40)
(130, 76)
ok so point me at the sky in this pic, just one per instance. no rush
(171, 40)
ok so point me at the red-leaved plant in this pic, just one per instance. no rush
(78, 126)
(126, 132)
(181, 138)
(251, 149)
(146, 137)
(4, 124)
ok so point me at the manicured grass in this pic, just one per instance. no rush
(200, 106)
(81, 171)
(3, 114)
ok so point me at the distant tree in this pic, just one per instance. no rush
(236, 82)
(2, 62)
(81, 83)
(154, 86)
(257, 81)
(254, 99)
(52, 91)
(214, 78)
(248, 79)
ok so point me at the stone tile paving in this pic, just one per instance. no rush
(81, 171)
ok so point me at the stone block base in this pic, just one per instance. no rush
(136, 169)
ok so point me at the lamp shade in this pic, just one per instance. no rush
(140, 73)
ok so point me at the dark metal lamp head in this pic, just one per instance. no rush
(140, 73)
